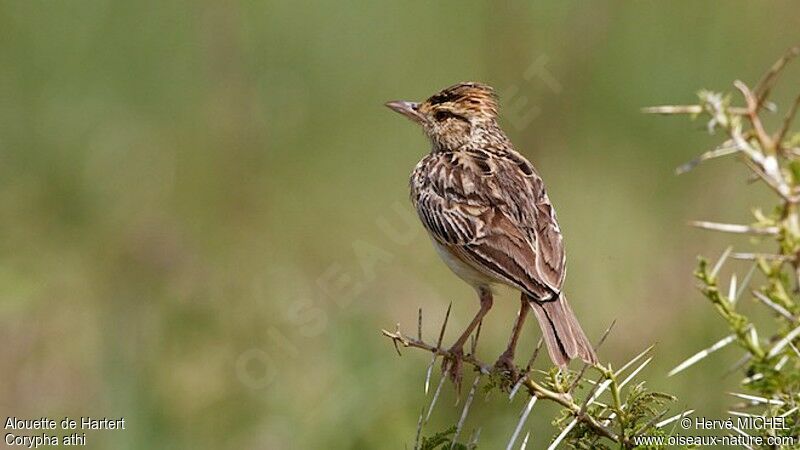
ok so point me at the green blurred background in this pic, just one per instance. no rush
(204, 211)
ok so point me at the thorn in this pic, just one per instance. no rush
(742, 414)
(475, 337)
(757, 256)
(527, 372)
(590, 396)
(702, 354)
(435, 397)
(429, 372)
(764, 85)
(744, 444)
(464, 412)
(732, 290)
(756, 399)
(563, 434)
(586, 365)
(651, 423)
(419, 325)
(473, 441)
(534, 355)
(723, 150)
(738, 364)
(606, 333)
(395, 337)
(525, 441)
(742, 433)
(755, 377)
(419, 429)
(635, 358)
(745, 281)
(522, 418)
(734, 228)
(635, 372)
(686, 109)
(787, 122)
(438, 347)
(516, 387)
(720, 262)
(784, 342)
(665, 422)
(776, 307)
(444, 325)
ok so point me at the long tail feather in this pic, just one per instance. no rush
(562, 333)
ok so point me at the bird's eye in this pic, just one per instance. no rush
(443, 115)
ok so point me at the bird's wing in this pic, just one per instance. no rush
(491, 211)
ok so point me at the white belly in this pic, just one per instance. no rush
(464, 271)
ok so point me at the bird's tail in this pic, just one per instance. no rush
(562, 333)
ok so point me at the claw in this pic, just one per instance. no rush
(453, 365)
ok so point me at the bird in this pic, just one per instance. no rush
(490, 219)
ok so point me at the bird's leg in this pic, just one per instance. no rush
(506, 360)
(453, 363)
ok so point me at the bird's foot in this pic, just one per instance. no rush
(453, 365)
(505, 363)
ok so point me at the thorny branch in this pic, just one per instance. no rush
(534, 389)
(758, 146)
(634, 414)
(772, 364)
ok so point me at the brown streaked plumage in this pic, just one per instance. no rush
(487, 212)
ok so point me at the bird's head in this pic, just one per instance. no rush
(452, 117)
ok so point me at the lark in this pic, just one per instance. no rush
(490, 219)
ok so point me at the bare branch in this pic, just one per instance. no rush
(406, 341)
(753, 106)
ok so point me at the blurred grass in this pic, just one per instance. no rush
(196, 198)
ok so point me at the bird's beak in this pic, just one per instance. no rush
(408, 109)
